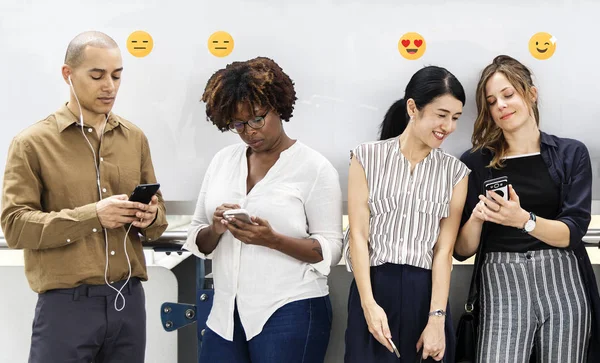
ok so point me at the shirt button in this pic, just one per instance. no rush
(404, 216)
(112, 253)
(401, 239)
(528, 256)
(101, 159)
(90, 129)
(103, 190)
(112, 282)
(68, 240)
(94, 230)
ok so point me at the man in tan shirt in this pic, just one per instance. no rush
(65, 203)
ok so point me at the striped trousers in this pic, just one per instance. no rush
(533, 299)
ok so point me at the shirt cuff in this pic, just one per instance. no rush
(190, 243)
(88, 214)
(324, 267)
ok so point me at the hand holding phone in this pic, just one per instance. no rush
(240, 214)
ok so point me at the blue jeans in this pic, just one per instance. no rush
(297, 332)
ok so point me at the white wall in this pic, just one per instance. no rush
(342, 55)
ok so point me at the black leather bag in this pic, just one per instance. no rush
(467, 330)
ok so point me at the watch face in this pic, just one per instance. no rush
(530, 225)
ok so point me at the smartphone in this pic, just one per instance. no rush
(394, 347)
(143, 193)
(240, 214)
(498, 185)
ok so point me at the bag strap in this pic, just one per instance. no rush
(474, 287)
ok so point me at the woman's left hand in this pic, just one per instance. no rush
(505, 212)
(257, 233)
(433, 339)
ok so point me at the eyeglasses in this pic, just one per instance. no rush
(237, 127)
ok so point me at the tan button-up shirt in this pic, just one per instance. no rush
(50, 195)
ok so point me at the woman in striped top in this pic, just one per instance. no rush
(405, 199)
(537, 286)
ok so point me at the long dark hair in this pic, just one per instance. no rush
(424, 86)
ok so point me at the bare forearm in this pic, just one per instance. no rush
(359, 252)
(303, 249)
(554, 233)
(207, 240)
(440, 276)
(469, 238)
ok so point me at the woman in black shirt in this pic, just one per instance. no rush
(537, 287)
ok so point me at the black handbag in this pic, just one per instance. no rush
(467, 330)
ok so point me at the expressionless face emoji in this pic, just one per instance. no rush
(220, 44)
(140, 44)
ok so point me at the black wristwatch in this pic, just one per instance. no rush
(530, 224)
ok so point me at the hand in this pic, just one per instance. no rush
(433, 339)
(218, 227)
(257, 233)
(505, 212)
(116, 211)
(378, 324)
(146, 213)
(478, 212)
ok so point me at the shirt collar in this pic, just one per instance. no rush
(547, 139)
(65, 118)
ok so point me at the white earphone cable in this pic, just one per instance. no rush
(119, 291)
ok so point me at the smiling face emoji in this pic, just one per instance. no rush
(220, 44)
(412, 46)
(542, 45)
(140, 44)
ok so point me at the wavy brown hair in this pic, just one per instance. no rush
(486, 134)
(258, 82)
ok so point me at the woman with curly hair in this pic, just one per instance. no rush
(271, 300)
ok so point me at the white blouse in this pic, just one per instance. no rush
(300, 197)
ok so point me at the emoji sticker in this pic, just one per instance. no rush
(412, 46)
(542, 45)
(140, 44)
(220, 44)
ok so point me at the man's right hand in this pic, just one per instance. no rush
(218, 227)
(116, 211)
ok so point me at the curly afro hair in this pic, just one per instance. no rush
(256, 82)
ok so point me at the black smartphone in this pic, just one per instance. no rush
(143, 193)
(498, 185)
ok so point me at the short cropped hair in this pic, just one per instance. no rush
(74, 56)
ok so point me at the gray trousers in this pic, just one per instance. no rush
(81, 325)
(534, 299)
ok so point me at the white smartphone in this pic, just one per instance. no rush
(394, 346)
(240, 214)
(498, 185)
